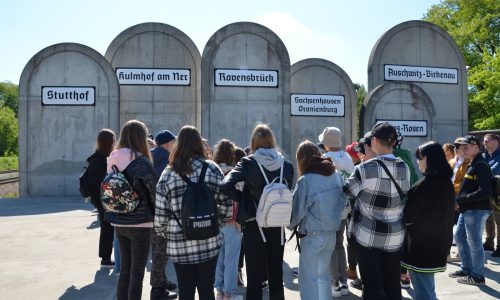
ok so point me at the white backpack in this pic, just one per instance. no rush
(275, 204)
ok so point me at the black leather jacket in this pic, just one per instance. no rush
(97, 171)
(247, 170)
(142, 176)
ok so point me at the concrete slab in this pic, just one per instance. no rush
(49, 251)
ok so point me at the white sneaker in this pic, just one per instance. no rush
(337, 291)
(344, 290)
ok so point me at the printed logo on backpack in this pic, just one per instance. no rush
(199, 213)
(117, 195)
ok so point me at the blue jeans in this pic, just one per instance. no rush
(116, 254)
(468, 236)
(423, 285)
(226, 274)
(314, 266)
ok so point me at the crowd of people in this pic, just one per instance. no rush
(399, 227)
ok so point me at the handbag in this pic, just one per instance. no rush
(402, 195)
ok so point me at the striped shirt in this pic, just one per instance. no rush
(378, 211)
(169, 193)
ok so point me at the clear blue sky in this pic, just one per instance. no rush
(343, 32)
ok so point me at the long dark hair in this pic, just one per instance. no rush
(133, 136)
(105, 141)
(224, 152)
(188, 145)
(436, 159)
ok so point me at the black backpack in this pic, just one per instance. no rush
(199, 213)
(85, 183)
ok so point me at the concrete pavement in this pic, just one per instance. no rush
(48, 250)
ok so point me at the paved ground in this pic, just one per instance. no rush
(48, 250)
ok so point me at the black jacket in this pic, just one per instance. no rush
(247, 170)
(142, 176)
(476, 190)
(429, 215)
(97, 172)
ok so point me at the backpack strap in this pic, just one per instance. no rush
(188, 181)
(115, 168)
(398, 188)
(263, 173)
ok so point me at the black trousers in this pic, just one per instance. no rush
(196, 276)
(380, 271)
(134, 251)
(106, 236)
(256, 252)
(352, 260)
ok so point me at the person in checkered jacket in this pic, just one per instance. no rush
(194, 260)
(377, 222)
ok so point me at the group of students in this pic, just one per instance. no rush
(387, 218)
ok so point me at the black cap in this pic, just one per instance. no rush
(468, 140)
(384, 131)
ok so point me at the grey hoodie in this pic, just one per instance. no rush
(270, 159)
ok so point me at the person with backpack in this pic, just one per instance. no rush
(318, 205)
(429, 213)
(379, 186)
(96, 171)
(263, 160)
(226, 274)
(190, 208)
(131, 158)
(473, 203)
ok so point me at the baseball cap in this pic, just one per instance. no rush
(384, 131)
(468, 140)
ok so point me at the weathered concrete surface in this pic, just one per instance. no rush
(400, 101)
(54, 141)
(49, 251)
(158, 46)
(419, 43)
(232, 112)
(319, 76)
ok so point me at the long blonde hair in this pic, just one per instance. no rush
(133, 136)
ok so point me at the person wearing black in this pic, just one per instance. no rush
(97, 171)
(429, 214)
(160, 285)
(263, 152)
(474, 207)
(133, 229)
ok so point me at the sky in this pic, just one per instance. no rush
(343, 32)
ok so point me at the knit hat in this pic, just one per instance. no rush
(331, 137)
(163, 137)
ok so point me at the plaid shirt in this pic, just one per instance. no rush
(378, 210)
(169, 192)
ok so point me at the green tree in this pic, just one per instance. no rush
(8, 131)
(475, 27)
(361, 95)
(9, 96)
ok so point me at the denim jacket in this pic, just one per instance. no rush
(318, 203)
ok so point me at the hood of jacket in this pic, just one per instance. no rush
(270, 159)
(320, 165)
(120, 158)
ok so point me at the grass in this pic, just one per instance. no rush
(8, 163)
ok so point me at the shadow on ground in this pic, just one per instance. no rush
(38, 206)
(103, 288)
